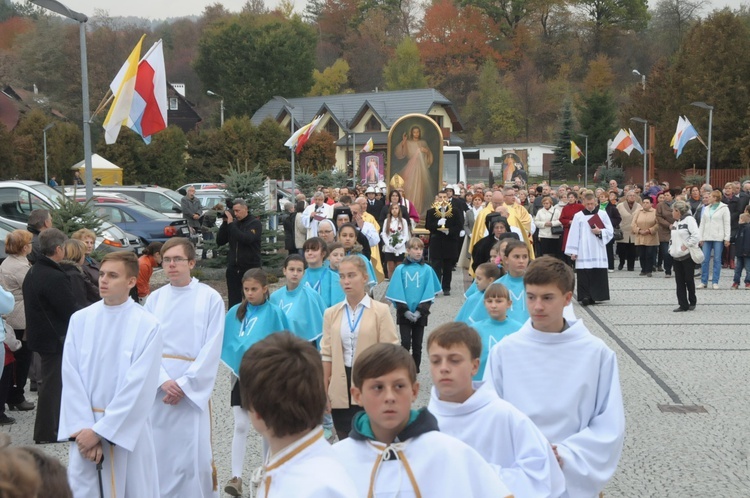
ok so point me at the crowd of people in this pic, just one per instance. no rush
(349, 367)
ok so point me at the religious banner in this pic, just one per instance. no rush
(371, 168)
(415, 155)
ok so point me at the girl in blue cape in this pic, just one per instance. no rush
(412, 290)
(473, 309)
(497, 324)
(318, 276)
(302, 306)
(516, 259)
(348, 238)
(247, 323)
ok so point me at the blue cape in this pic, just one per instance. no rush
(304, 310)
(325, 282)
(412, 284)
(260, 322)
(517, 311)
(491, 331)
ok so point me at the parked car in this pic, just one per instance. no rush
(141, 221)
(159, 199)
(19, 197)
(5, 229)
(201, 186)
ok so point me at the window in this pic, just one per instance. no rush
(372, 124)
(174, 103)
(10, 205)
(161, 203)
(332, 128)
(438, 120)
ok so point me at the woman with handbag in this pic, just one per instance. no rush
(684, 239)
(610, 207)
(550, 228)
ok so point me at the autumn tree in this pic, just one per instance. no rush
(318, 154)
(332, 80)
(490, 110)
(405, 70)
(606, 15)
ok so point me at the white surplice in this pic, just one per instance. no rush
(110, 369)
(441, 465)
(192, 325)
(506, 438)
(590, 250)
(305, 469)
(568, 384)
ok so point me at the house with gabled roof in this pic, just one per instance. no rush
(354, 118)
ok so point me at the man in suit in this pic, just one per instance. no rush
(445, 224)
(374, 206)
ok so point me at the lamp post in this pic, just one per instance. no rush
(81, 19)
(586, 161)
(221, 105)
(643, 79)
(290, 108)
(710, 108)
(645, 148)
(354, 160)
(44, 133)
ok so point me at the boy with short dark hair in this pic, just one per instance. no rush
(473, 308)
(564, 379)
(286, 410)
(473, 412)
(396, 451)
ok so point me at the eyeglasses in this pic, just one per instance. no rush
(325, 231)
(176, 261)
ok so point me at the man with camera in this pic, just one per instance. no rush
(243, 233)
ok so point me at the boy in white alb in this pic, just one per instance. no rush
(286, 410)
(564, 379)
(110, 369)
(473, 413)
(394, 451)
(191, 315)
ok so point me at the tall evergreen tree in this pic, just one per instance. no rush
(561, 160)
(597, 116)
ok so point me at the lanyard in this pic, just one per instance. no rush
(353, 326)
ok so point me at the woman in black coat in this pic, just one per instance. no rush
(608, 202)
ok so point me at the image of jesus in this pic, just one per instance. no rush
(416, 174)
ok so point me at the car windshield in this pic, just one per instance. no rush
(47, 191)
(147, 212)
(173, 195)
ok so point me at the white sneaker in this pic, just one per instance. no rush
(715, 287)
(702, 286)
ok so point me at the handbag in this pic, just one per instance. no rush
(696, 254)
(557, 230)
(618, 234)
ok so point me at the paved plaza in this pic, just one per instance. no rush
(685, 380)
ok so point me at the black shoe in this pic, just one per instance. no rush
(585, 301)
(677, 310)
(6, 420)
(620, 266)
(24, 406)
(691, 307)
(33, 387)
(447, 293)
(642, 274)
(659, 268)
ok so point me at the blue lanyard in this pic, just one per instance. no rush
(353, 327)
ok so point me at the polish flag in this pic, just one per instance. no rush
(148, 113)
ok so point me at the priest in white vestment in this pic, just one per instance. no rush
(110, 368)
(192, 324)
(587, 246)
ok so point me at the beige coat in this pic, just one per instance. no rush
(12, 273)
(646, 220)
(376, 326)
(626, 213)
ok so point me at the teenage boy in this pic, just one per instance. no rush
(281, 386)
(473, 308)
(110, 372)
(473, 413)
(393, 450)
(564, 379)
(191, 315)
(498, 325)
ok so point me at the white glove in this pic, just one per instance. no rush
(409, 316)
(417, 315)
(441, 222)
(462, 233)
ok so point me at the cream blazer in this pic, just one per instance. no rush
(376, 326)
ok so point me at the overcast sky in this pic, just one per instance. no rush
(160, 9)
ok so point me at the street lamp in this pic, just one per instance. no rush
(643, 78)
(81, 19)
(290, 108)
(44, 133)
(645, 147)
(710, 108)
(586, 161)
(221, 104)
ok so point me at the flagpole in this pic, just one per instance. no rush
(645, 148)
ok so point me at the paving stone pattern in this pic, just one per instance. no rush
(697, 358)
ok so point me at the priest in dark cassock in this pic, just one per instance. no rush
(590, 231)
